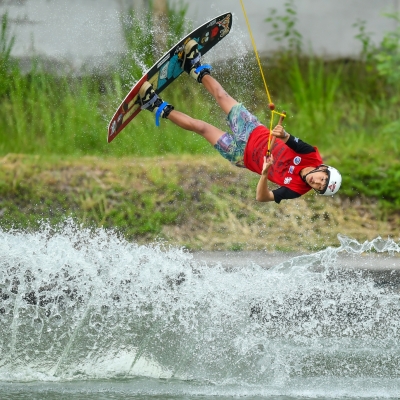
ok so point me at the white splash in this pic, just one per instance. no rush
(79, 303)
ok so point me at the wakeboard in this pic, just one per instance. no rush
(168, 68)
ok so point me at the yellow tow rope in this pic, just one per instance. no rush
(271, 105)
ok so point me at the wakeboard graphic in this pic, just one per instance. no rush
(168, 68)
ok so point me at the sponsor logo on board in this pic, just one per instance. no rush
(166, 58)
(164, 71)
(225, 25)
(212, 23)
(205, 38)
(214, 32)
(113, 127)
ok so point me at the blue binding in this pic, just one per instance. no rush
(159, 111)
(201, 67)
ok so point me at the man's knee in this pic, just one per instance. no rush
(200, 126)
(220, 94)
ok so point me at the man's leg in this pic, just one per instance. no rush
(208, 131)
(152, 102)
(201, 73)
(225, 144)
(224, 100)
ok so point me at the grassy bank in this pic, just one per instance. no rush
(194, 201)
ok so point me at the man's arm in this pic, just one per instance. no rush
(284, 193)
(294, 143)
(263, 193)
(299, 146)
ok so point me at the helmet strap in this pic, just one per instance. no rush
(308, 173)
(313, 172)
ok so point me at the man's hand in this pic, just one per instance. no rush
(280, 132)
(268, 161)
(262, 192)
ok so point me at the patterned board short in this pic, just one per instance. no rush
(242, 123)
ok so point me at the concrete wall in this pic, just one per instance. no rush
(75, 31)
(326, 25)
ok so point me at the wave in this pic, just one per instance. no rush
(78, 304)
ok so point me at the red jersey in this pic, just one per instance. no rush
(287, 165)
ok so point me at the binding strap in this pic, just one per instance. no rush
(201, 67)
(159, 112)
(150, 102)
(196, 59)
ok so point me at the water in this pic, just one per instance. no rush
(86, 314)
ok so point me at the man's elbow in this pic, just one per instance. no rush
(264, 199)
